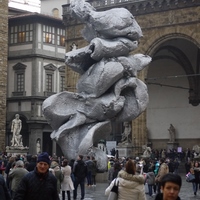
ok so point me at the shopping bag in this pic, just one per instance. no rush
(114, 191)
(190, 177)
(146, 188)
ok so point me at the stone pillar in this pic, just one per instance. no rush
(3, 69)
(54, 147)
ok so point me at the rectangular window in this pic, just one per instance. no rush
(48, 34)
(21, 33)
(49, 83)
(62, 83)
(60, 37)
(20, 82)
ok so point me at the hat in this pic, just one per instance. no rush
(54, 164)
(19, 163)
(44, 157)
(137, 158)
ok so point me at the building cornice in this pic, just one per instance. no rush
(36, 56)
(136, 7)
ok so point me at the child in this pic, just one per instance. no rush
(150, 180)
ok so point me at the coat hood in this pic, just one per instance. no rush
(130, 180)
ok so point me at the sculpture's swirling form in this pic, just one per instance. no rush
(108, 88)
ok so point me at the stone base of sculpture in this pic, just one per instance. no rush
(17, 150)
(145, 156)
(172, 145)
(125, 150)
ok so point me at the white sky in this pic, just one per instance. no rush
(29, 5)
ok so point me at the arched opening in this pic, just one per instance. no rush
(173, 82)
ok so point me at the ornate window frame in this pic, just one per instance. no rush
(19, 80)
(49, 72)
(61, 70)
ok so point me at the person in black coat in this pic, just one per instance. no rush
(39, 184)
(197, 177)
(32, 164)
(80, 173)
(4, 193)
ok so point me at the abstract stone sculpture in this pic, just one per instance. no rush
(108, 88)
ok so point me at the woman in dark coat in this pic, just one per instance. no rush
(196, 174)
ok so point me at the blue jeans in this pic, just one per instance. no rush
(82, 184)
(150, 187)
(195, 186)
(89, 178)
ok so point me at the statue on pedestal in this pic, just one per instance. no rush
(16, 129)
(147, 151)
(171, 133)
(38, 147)
(126, 135)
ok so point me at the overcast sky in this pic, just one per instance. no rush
(29, 5)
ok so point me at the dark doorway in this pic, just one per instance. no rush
(47, 143)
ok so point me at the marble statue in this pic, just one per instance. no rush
(16, 129)
(126, 135)
(108, 88)
(147, 151)
(171, 133)
(38, 147)
(196, 148)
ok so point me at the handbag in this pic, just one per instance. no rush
(114, 191)
(190, 177)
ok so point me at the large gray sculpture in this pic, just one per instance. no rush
(108, 88)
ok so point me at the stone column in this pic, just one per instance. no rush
(3, 69)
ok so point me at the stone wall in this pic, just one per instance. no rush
(3, 69)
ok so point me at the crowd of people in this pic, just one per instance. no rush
(44, 177)
(132, 175)
(156, 166)
(41, 177)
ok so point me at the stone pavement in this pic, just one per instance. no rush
(98, 192)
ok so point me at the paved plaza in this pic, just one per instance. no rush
(97, 192)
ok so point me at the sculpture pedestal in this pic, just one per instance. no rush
(125, 149)
(172, 145)
(17, 150)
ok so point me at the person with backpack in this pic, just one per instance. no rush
(56, 171)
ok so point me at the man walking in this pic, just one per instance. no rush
(90, 166)
(15, 176)
(80, 172)
(39, 184)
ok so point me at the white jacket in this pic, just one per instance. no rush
(131, 187)
(67, 183)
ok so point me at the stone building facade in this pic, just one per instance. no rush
(3, 69)
(172, 38)
(35, 71)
